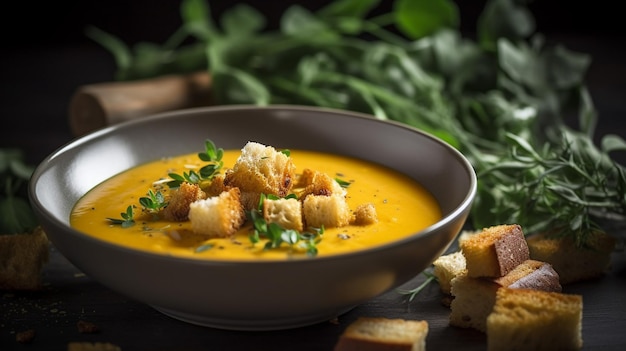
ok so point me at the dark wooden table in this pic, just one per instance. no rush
(37, 84)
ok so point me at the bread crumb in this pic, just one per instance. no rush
(85, 327)
(365, 214)
(25, 337)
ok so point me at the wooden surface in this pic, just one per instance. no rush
(37, 86)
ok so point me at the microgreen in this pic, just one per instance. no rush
(213, 155)
(275, 235)
(127, 218)
(343, 183)
(204, 247)
(154, 202)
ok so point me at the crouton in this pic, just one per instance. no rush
(474, 298)
(328, 211)
(378, 334)
(571, 262)
(495, 251)
(524, 319)
(178, 206)
(217, 216)
(365, 214)
(285, 212)
(260, 170)
(22, 257)
(448, 267)
(318, 183)
(216, 186)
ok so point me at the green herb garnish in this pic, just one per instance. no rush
(154, 202)
(343, 183)
(213, 156)
(127, 218)
(276, 236)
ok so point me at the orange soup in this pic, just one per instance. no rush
(403, 207)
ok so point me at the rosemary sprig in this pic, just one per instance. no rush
(412, 293)
(566, 190)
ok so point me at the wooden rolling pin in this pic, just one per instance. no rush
(98, 105)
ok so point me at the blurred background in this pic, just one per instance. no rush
(46, 55)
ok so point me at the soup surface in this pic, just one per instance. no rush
(403, 207)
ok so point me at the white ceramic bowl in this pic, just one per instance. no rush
(222, 294)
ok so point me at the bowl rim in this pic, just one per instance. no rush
(77, 142)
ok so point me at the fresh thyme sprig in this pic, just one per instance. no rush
(127, 220)
(154, 202)
(277, 236)
(213, 155)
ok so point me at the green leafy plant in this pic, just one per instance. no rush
(502, 98)
(16, 215)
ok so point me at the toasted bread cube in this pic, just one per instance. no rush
(319, 183)
(260, 170)
(525, 319)
(473, 301)
(377, 333)
(448, 267)
(474, 298)
(571, 262)
(218, 216)
(22, 257)
(532, 274)
(328, 211)
(178, 206)
(495, 251)
(216, 186)
(285, 212)
(365, 214)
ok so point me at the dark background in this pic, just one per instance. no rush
(45, 55)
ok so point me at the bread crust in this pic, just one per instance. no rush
(526, 319)
(177, 209)
(383, 334)
(218, 216)
(495, 251)
(571, 262)
(22, 256)
(260, 170)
